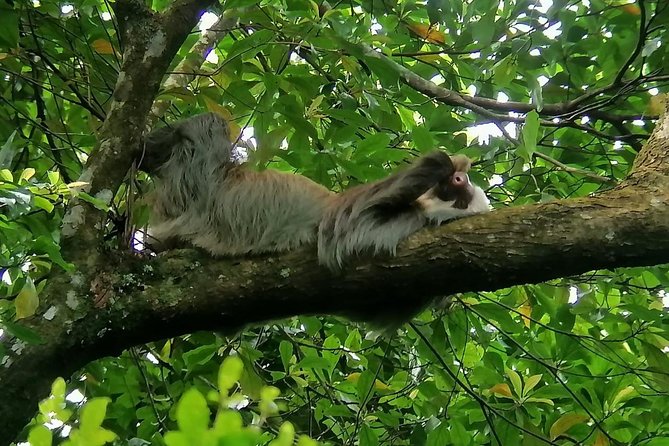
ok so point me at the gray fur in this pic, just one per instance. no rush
(205, 198)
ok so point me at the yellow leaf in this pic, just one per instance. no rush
(624, 394)
(166, 351)
(566, 422)
(427, 32)
(378, 385)
(27, 301)
(601, 440)
(631, 8)
(76, 184)
(501, 389)
(432, 58)
(224, 113)
(27, 173)
(3, 55)
(102, 46)
(235, 130)
(217, 108)
(353, 377)
(349, 64)
(526, 312)
(6, 175)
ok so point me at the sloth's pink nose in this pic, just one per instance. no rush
(459, 179)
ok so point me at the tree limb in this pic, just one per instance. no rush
(110, 308)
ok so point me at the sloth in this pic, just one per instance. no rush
(205, 197)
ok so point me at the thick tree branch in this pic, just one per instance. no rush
(110, 308)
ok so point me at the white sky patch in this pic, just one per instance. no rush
(483, 132)
(212, 57)
(521, 27)
(543, 80)
(2, 332)
(249, 134)
(75, 396)
(206, 21)
(585, 119)
(573, 295)
(653, 91)
(65, 431)
(6, 277)
(502, 97)
(67, 8)
(553, 31)
(607, 34)
(475, 55)
(36, 3)
(665, 298)
(535, 52)
(617, 145)
(152, 358)
(53, 423)
(138, 241)
(438, 79)
(106, 16)
(495, 180)
(638, 122)
(376, 27)
(471, 90)
(544, 5)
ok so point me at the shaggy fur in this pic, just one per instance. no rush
(205, 198)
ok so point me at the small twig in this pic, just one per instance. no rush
(574, 170)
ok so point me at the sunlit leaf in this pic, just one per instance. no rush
(566, 422)
(27, 301)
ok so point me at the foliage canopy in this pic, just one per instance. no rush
(552, 99)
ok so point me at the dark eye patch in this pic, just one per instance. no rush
(461, 196)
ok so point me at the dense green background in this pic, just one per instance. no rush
(581, 360)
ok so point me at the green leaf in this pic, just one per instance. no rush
(7, 150)
(372, 144)
(192, 413)
(42, 203)
(286, 435)
(367, 436)
(23, 333)
(440, 436)
(9, 27)
(422, 138)
(27, 301)
(229, 373)
(530, 133)
(515, 381)
(286, 352)
(93, 413)
(530, 383)
(505, 71)
(364, 386)
(39, 436)
(46, 245)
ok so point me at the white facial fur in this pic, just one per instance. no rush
(438, 211)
